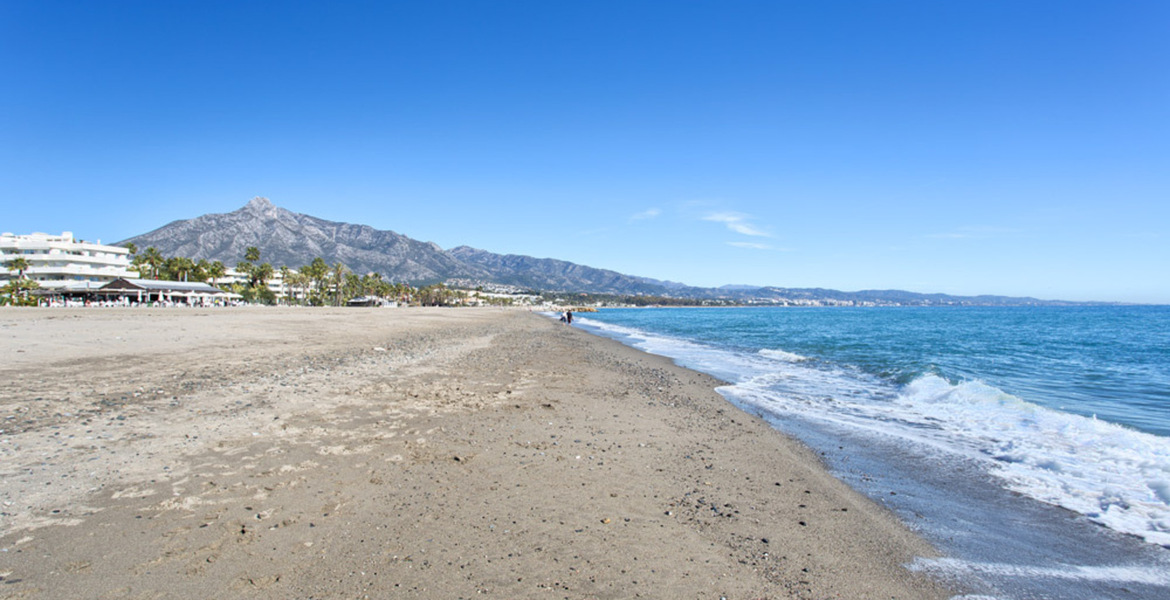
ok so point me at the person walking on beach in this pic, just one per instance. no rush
(569, 317)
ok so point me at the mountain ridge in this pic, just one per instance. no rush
(286, 238)
(293, 239)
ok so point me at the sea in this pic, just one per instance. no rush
(1030, 445)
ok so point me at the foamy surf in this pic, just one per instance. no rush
(1123, 574)
(782, 355)
(894, 403)
(1114, 475)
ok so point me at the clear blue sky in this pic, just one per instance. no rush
(963, 146)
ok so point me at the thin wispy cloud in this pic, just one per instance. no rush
(649, 213)
(737, 222)
(751, 245)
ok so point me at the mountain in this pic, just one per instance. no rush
(292, 239)
(878, 297)
(552, 274)
(286, 238)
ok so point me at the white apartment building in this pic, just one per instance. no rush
(274, 283)
(61, 263)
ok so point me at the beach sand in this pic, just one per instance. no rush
(403, 453)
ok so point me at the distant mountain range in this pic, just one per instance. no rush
(292, 239)
(286, 238)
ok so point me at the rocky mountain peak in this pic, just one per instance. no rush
(261, 207)
(292, 239)
(286, 238)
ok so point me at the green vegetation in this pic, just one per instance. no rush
(17, 289)
(315, 284)
(151, 264)
(321, 284)
(256, 289)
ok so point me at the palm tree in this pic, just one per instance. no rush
(338, 279)
(19, 264)
(306, 283)
(199, 273)
(316, 272)
(353, 286)
(285, 275)
(252, 254)
(179, 267)
(154, 259)
(261, 275)
(215, 271)
(402, 292)
(296, 280)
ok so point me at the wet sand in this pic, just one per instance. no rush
(406, 453)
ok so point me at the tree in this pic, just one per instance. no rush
(178, 268)
(316, 272)
(215, 271)
(292, 281)
(245, 268)
(19, 264)
(372, 284)
(19, 286)
(153, 259)
(402, 293)
(261, 275)
(299, 282)
(353, 287)
(338, 279)
(199, 273)
(439, 295)
(17, 292)
(285, 282)
(132, 247)
(305, 281)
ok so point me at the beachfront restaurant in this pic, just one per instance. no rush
(153, 291)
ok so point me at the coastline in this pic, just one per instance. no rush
(407, 452)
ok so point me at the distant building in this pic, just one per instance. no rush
(275, 283)
(152, 291)
(60, 263)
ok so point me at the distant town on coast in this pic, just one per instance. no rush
(263, 254)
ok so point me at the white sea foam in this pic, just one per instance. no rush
(1116, 476)
(1131, 574)
(783, 355)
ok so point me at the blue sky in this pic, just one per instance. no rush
(967, 147)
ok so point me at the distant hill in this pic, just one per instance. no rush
(292, 239)
(884, 297)
(286, 238)
(557, 275)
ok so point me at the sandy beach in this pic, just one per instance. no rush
(403, 453)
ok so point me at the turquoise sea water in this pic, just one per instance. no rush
(985, 419)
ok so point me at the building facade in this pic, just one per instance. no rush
(275, 283)
(62, 263)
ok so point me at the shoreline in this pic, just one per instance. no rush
(408, 452)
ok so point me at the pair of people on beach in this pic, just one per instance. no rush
(567, 317)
